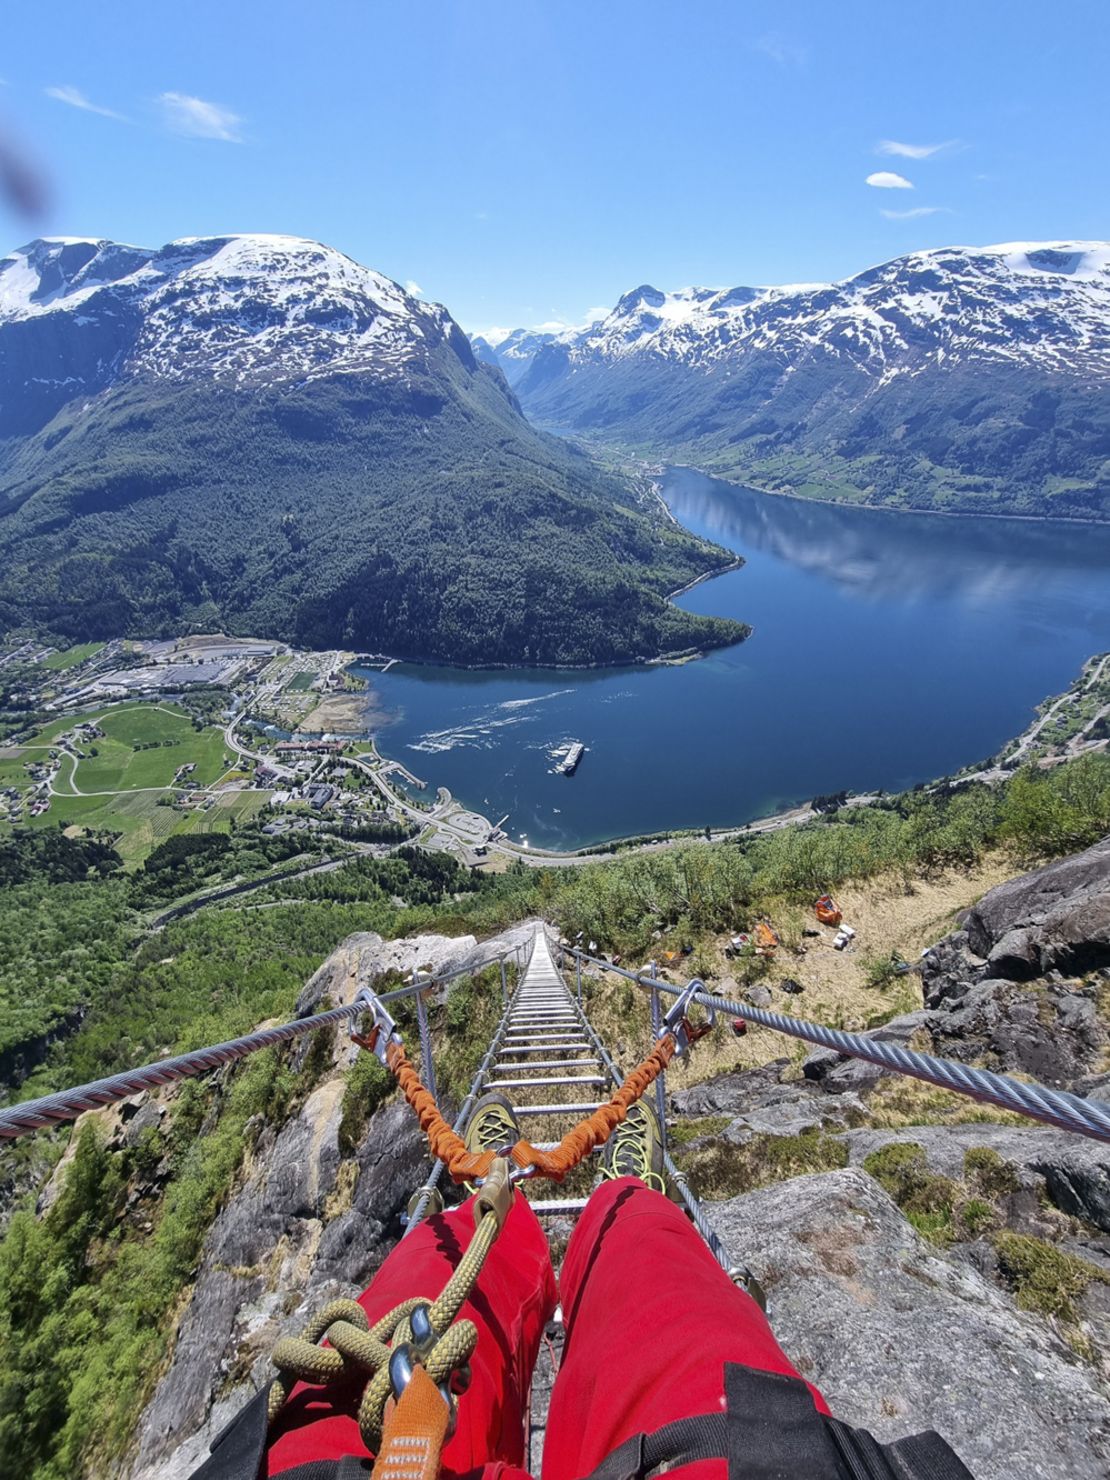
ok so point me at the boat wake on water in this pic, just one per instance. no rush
(477, 731)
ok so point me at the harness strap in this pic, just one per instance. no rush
(236, 1451)
(350, 1467)
(772, 1431)
(414, 1433)
(680, 1443)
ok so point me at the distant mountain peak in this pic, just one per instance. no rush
(645, 294)
(1039, 300)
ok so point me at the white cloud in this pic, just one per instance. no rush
(916, 213)
(888, 180)
(200, 119)
(414, 288)
(781, 49)
(75, 98)
(911, 151)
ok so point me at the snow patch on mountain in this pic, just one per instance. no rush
(251, 309)
(1043, 303)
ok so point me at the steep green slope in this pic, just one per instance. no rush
(973, 438)
(414, 523)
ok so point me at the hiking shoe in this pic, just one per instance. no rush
(635, 1149)
(492, 1125)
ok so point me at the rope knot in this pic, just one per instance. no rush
(425, 1333)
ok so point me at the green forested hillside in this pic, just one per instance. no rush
(422, 518)
(975, 439)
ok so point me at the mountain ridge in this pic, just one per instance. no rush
(257, 432)
(968, 379)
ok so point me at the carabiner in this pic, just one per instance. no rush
(383, 1031)
(677, 1023)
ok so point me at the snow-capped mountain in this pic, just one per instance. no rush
(249, 311)
(1046, 304)
(925, 348)
(258, 433)
(513, 353)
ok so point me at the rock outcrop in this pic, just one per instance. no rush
(762, 1103)
(900, 1338)
(994, 992)
(1057, 918)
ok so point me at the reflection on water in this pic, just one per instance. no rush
(882, 555)
(888, 649)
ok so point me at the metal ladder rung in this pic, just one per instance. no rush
(552, 1207)
(542, 1024)
(579, 1107)
(545, 1048)
(542, 1041)
(547, 1064)
(554, 1079)
(533, 1042)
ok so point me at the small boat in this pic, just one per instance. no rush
(827, 910)
(569, 764)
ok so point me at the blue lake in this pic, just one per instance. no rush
(888, 649)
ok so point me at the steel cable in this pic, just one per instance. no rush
(1070, 1112)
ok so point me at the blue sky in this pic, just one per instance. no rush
(524, 161)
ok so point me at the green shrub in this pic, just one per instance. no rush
(369, 1084)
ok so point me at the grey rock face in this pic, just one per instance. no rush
(365, 956)
(900, 1338)
(1057, 917)
(837, 1074)
(764, 1106)
(1073, 1171)
(731, 1094)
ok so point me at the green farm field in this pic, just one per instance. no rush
(121, 764)
(72, 655)
(124, 788)
(141, 824)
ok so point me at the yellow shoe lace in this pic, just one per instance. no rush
(631, 1156)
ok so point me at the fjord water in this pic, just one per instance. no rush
(888, 649)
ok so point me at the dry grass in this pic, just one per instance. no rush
(898, 1102)
(886, 916)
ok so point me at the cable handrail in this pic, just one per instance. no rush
(1069, 1112)
(33, 1115)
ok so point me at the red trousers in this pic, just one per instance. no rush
(650, 1320)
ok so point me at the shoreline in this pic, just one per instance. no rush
(843, 503)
